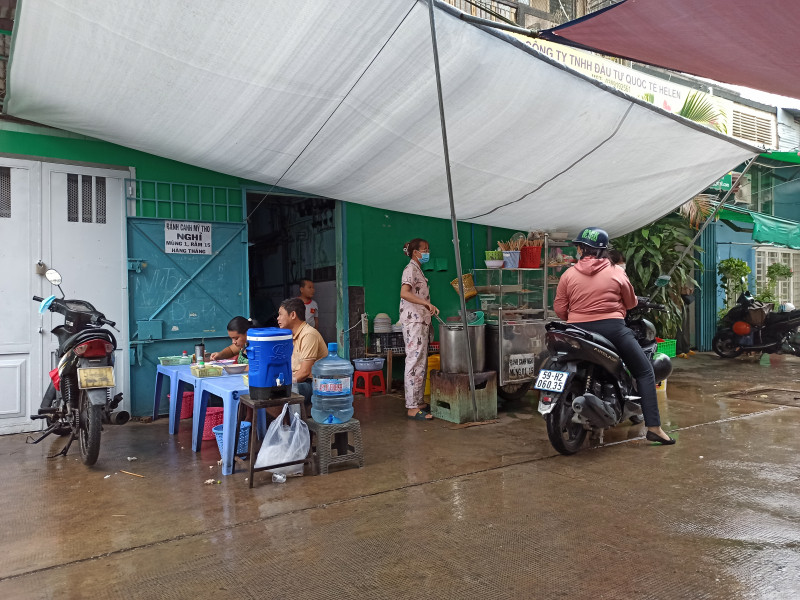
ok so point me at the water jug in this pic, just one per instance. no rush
(332, 398)
(269, 353)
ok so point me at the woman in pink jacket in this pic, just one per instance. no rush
(595, 295)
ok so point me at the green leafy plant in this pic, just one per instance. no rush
(731, 271)
(775, 272)
(700, 109)
(654, 250)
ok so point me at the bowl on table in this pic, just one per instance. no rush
(234, 369)
(494, 264)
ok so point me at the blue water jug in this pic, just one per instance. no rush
(332, 397)
(269, 353)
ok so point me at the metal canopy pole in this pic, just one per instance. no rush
(454, 222)
(710, 218)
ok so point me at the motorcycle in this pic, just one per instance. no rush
(584, 384)
(752, 326)
(78, 400)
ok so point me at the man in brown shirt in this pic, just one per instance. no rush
(308, 345)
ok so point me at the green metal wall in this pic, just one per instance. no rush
(706, 307)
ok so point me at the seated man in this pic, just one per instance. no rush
(308, 345)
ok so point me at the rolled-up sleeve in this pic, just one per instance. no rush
(561, 303)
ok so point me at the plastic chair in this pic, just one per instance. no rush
(324, 438)
(369, 382)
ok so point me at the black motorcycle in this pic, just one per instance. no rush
(78, 400)
(752, 326)
(584, 384)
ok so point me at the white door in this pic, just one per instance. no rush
(20, 249)
(83, 228)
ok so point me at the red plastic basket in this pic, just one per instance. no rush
(530, 257)
(187, 405)
(214, 417)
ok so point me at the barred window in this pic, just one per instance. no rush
(86, 198)
(100, 199)
(5, 192)
(72, 198)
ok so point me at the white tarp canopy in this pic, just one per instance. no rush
(339, 99)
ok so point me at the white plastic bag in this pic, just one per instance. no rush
(285, 443)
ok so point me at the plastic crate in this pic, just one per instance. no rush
(244, 437)
(206, 371)
(214, 417)
(171, 361)
(667, 347)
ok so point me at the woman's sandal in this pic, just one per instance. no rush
(421, 415)
(654, 437)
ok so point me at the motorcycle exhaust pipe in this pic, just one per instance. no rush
(598, 413)
(120, 417)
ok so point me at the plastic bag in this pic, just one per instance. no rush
(285, 443)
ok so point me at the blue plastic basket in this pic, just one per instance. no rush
(244, 437)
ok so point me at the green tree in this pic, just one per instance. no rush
(654, 250)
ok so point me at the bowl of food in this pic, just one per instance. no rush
(234, 369)
(494, 264)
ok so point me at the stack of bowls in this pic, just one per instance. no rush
(382, 323)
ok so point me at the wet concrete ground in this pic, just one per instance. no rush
(438, 512)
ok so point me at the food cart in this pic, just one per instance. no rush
(517, 303)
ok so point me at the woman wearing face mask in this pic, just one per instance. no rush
(415, 315)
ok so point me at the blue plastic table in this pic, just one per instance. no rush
(228, 388)
(179, 377)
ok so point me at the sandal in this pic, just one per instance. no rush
(421, 415)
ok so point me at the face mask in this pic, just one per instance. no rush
(425, 257)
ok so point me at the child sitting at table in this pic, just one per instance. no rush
(237, 331)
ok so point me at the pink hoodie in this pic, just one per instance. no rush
(592, 290)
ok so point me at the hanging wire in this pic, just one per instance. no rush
(374, 58)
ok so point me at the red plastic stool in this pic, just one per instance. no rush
(364, 382)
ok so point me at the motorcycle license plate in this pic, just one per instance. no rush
(551, 381)
(95, 377)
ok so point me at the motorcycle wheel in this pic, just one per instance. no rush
(725, 345)
(91, 422)
(565, 436)
(514, 391)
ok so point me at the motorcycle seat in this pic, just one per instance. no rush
(591, 336)
(92, 333)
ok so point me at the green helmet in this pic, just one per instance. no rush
(593, 237)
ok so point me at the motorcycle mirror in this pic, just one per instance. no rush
(53, 276)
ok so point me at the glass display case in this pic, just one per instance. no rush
(516, 304)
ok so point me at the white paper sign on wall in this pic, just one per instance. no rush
(185, 237)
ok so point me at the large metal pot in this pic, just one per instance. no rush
(453, 348)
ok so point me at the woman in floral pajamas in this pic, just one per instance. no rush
(415, 315)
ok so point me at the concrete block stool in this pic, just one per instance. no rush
(324, 438)
(369, 382)
(248, 406)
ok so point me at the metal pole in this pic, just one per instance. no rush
(710, 218)
(453, 220)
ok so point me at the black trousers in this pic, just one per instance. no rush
(634, 358)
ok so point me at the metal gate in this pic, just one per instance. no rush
(179, 299)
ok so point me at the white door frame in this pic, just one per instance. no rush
(26, 352)
(122, 357)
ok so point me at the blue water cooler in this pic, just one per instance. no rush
(269, 352)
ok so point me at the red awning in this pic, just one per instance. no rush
(754, 44)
